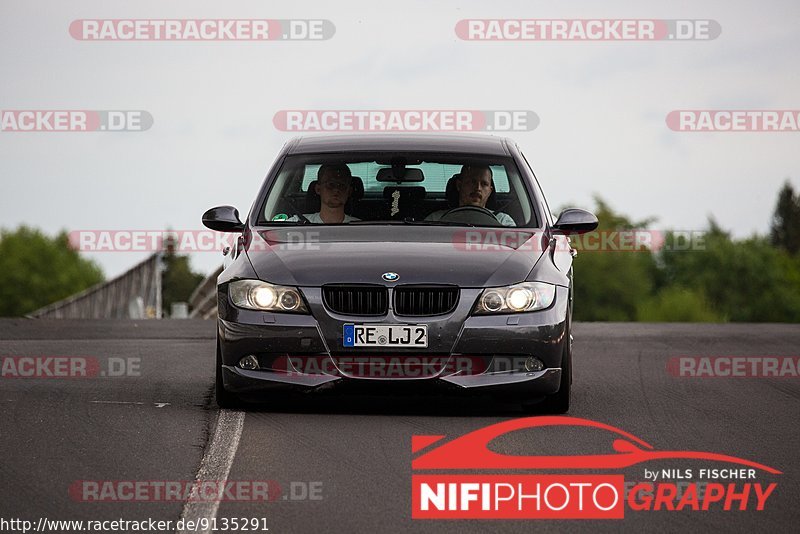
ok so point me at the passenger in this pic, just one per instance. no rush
(334, 187)
(474, 185)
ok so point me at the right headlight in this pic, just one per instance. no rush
(523, 297)
(258, 295)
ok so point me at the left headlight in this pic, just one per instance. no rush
(258, 295)
(524, 297)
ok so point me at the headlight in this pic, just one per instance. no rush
(524, 297)
(258, 295)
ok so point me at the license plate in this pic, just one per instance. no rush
(367, 335)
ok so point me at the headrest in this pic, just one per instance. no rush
(358, 188)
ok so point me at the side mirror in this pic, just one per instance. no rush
(575, 221)
(223, 219)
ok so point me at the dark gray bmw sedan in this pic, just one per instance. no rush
(398, 262)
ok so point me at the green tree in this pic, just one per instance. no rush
(178, 281)
(677, 304)
(611, 284)
(697, 278)
(744, 280)
(36, 270)
(785, 229)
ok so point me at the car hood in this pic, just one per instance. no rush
(313, 256)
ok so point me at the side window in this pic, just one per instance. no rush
(309, 176)
(279, 202)
(500, 178)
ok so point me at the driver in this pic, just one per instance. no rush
(474, 185)
(334, 186)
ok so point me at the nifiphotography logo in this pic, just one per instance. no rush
(540, 489)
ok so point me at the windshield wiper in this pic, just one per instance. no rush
(437, 223)
(298, 222)
(392, 222)
(410, 222)
(376, 223)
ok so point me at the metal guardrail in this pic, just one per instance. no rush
(136, 294)
(203, 302)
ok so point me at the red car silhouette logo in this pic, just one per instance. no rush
(471, 451)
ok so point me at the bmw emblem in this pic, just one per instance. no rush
(391, 277)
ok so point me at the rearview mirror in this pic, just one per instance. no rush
(223, 219)
(575, 221)
(400, 175)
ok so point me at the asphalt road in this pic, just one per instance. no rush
(345, 464)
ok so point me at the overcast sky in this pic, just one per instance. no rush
(602, 106)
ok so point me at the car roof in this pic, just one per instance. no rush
(477, 144)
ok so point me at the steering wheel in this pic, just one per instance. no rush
(471, 215)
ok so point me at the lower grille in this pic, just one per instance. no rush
(356, 300)
(423, 301)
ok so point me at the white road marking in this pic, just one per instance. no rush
(215, 466)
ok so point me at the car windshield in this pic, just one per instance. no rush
(397, 188)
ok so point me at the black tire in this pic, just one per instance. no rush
(559, 402)
(225, 399)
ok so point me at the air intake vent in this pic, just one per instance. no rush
(356, 300)
(425, 300)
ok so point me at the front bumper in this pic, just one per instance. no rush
(453, 339)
